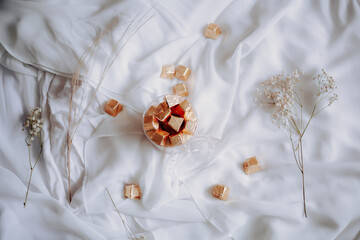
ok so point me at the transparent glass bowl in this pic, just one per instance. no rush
(164, 125)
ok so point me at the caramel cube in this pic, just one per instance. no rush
(182, 72)
(164, 115)
(162, 112)
(150, 134)
(212, 31)
(178, 111)
(186, 106)
(160, 137)
(168, 71)
(251, 165)
(176, 139)
(185, 137)
(150, 123)
(160, 108)
(168, 143)
(150, 111)
(113, 107)
(180, 89)
(182, 109)
(190, 115)
(172, 100)
(132, 191)
(221, 192)
(190, 127)
(175, 123)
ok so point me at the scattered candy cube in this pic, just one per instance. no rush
(251, 165)
(221, 192)
(168, 71)
(113, 107)
(212, 31)
(180, 89)
(182, 72)
(132, 191)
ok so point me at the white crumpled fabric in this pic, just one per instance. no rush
(40, 45)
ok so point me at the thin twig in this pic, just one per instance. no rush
(303, 188)
(131, 235)
(321, 110)
(303, 179)
(73, 123)
(29, 149)
(28, 187)
(31, 172)
(297, 163)
(301, 120)
(311, 117)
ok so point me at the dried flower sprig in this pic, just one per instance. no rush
(82, 93)
(285, 96)
(130, 233)
(34, 125)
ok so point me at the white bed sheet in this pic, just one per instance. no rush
(40, 44)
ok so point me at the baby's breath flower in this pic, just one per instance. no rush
(333, 98)
(284, 97)
(326, 83)
(34, 125)
(277, 96)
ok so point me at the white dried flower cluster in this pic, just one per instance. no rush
(34, 123)
(327, 85)
(283, 95)
(277, 96)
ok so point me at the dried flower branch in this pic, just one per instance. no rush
(34, 125)
(285, 96)
(130, 233)
(82, 93)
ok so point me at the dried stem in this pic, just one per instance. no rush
(282, 95)
(77, 110)
(130, 234)
(303, 176)
(33, 167)
(300, 157)
(303, 188)
(69, 144)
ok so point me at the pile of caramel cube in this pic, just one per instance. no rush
(171, 123)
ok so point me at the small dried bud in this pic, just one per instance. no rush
(33, 123)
